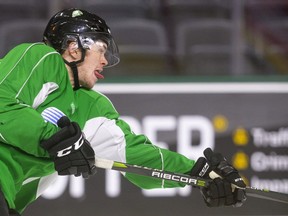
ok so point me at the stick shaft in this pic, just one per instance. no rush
(155, 173)
(183, 178)
(267, 194)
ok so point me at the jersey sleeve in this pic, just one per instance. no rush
(112, 138)
(141, 151)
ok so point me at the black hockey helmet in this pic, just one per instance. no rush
(84, 28)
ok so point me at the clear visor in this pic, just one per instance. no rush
(90, 38)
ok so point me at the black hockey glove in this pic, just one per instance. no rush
(71, 152)
(221, 191)
(220, 166)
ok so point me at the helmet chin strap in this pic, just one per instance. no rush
(73, 66)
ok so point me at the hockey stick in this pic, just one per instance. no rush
(183, 178)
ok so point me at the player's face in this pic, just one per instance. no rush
(89, 71)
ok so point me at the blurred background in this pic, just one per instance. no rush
(193, 74)
(171, 37)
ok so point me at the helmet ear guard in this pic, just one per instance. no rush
(67, 41)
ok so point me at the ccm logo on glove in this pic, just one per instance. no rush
(71, 152)
(69, 149)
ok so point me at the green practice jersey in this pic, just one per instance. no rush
(112, 138)
(30, 75)
(33, 79)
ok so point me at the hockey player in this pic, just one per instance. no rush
(35, 81)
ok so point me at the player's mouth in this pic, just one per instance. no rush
(98, 74)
